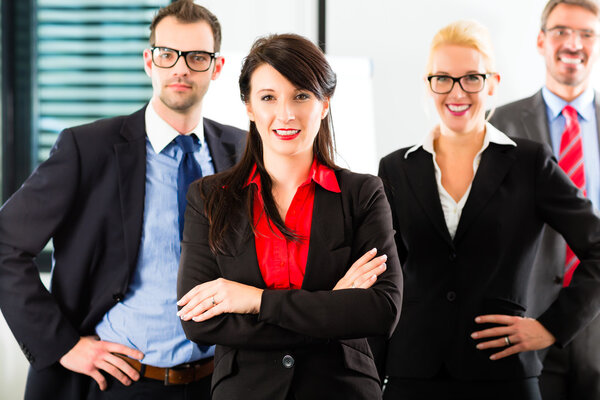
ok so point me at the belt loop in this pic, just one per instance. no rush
(167, 376)
(142, 370)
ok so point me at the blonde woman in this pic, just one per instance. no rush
(469, 205)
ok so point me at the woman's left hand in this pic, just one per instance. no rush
(217, 297)
(520, 334)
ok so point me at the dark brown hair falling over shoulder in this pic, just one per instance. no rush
(302, 63)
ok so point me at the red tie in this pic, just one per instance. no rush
(570, 160)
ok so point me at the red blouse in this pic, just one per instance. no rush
(283, 262)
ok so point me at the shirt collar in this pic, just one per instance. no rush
(584, 103)
(160, 133)
(319, 173)
(492, 135)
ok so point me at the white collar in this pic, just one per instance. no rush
(160, 133)
(492, 135)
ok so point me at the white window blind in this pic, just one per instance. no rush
(89, 62)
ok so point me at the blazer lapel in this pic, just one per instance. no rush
(535, 120)
(247, 258)
(221, 151)
(327, 233)
(241, 251)
(495, 163)
(420, 174)
(597, 107)
(131, 162)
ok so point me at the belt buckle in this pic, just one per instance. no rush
(166, 381)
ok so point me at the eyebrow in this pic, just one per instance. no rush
(568, 27)
(187, 51)
(466, 73)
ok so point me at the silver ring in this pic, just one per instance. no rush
(213, 300)
(507, 341)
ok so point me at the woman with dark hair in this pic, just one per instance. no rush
(267, 247)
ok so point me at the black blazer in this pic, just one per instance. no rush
(527, 118)
(321, 330)
(88, 197)
(485, 269)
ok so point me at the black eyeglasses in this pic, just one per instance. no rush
(199, 61)
(470, 83)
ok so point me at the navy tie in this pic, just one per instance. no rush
(189, 171)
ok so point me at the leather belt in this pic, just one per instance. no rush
(178, 375)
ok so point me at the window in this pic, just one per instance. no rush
(89, 63)
(66, 63)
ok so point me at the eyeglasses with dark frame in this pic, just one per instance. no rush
(562, 33)
(196, 60)
(469, 83)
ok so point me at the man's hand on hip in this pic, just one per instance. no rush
(90, 355)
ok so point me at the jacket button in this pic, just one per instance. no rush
(452, 256)
(451, 296)
(558, 280)
(288, 361)
(118, 297)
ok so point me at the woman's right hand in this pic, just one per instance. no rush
(217, 297)
(364, 272)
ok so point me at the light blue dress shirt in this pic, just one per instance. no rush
(584, 104)
(146, 319)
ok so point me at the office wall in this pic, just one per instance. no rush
(394, 37)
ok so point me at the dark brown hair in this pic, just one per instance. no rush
(188, 12)
(305, 66)
(590, 5)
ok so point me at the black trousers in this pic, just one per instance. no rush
(150, 389)
(452, 389)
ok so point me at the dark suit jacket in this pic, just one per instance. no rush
(485, 269)
(89, 198)
(527, 118)
(322, 330)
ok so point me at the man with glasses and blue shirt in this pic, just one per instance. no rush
(565, 114)
(111, 196)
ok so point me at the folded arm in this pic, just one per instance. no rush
(301, 315)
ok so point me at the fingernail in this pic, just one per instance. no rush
(384, 265)
(474, 335)
(478, 346)
(477, 319)
(373, 277)
(384, 257)
(179, 313)
(179, 303)
(196, 319)
(373, 250)
(492, 357)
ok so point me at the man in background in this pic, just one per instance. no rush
(564, 114)
(111, 196)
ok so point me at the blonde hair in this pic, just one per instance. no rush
(464, 33)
